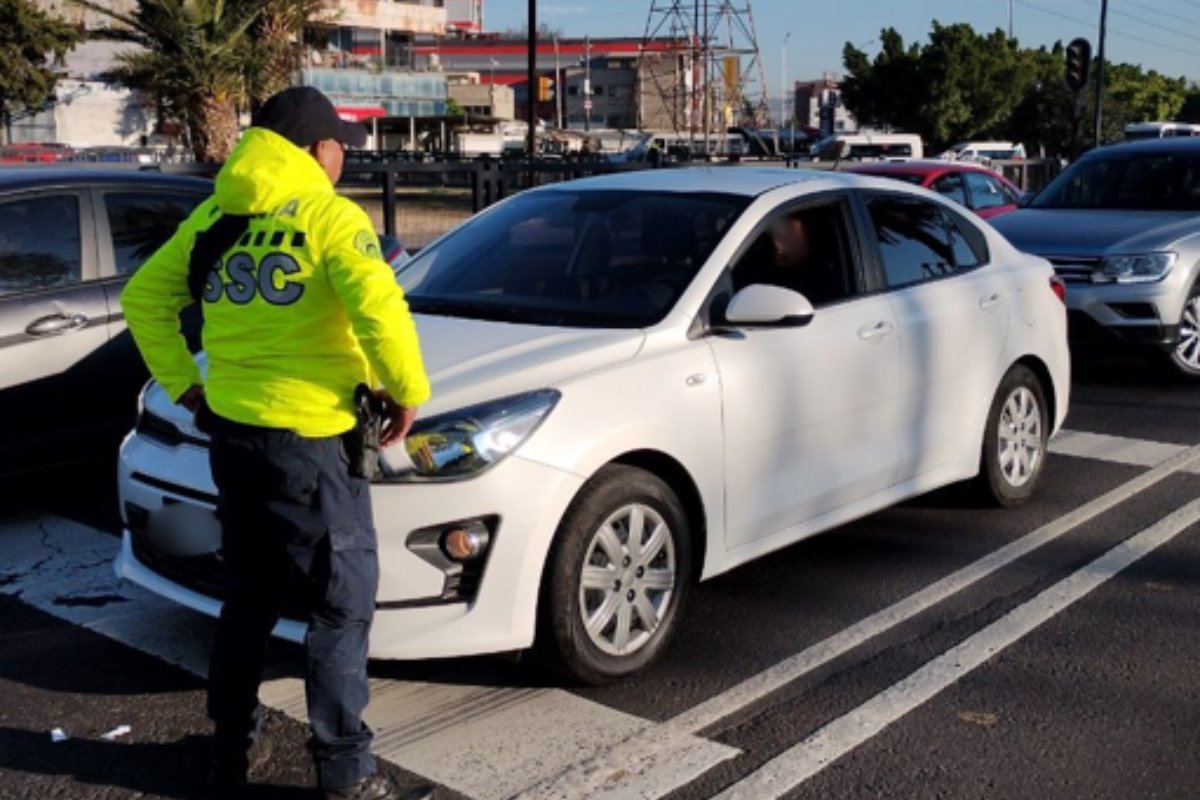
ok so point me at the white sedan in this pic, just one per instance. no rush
(647, 379)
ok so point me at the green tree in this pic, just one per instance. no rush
(31, 44)
(193, 61)
(1190, 112)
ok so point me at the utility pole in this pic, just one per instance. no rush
(558, 117)
(1100, 69)
(1010, 18)
(531, 87)
(782, 93)
(587, 83)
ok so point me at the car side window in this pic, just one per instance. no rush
(141, 222)
(804, 249)
(39, 243)
(986, 192)
(951, 186)
(920, 241)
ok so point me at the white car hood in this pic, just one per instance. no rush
(472, 361)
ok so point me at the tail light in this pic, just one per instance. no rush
(1059, 288)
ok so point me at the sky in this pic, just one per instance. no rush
(1158, 34)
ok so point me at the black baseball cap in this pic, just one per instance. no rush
(304, 116)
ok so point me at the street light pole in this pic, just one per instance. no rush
(558, 117)
(1100, 69)
(783, 93)
(531, 86)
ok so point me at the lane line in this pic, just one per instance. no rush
(802, 761)
(484, 742)
(1114, 449)
(640, 754)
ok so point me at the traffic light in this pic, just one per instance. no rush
(1079, 61)
(545, 90)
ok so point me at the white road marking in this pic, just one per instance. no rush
(1115, 449)
(581, 779)
(484, 742)
(493, 742)
(799, 763)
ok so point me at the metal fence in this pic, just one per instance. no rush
(421, 200)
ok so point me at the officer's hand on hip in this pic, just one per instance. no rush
(192, 398)
(398, 420)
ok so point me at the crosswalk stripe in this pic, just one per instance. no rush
(797, 764)
(484, 742)
(491, 743)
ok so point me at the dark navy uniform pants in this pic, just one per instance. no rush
(294, 521)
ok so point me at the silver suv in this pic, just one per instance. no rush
(1122, 228)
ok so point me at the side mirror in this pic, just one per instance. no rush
(1025, 198)
(769, 306)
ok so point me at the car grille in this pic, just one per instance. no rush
(165, 432)
(1075, 269)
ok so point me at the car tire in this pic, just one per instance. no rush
(1015, 440)
(631, 593)
(1185, 356)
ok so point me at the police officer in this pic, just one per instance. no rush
(299, 309)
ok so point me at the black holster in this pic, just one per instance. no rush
(362, 442)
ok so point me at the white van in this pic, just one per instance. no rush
(868, 147)
(1159, 130)
(984, 152)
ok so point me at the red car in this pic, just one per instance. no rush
(980, 189)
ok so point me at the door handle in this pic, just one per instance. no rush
(875, 332)
(56, 324)
(989, 301)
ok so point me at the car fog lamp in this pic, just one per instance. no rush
(466, 542)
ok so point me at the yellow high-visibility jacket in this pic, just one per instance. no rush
(301, 310)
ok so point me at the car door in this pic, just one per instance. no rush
(53, 326)
(134, 221)
(952, 311)
(809, 412)
(989, 197)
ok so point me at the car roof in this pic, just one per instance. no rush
(1173, 144)
(37, 177)
(743, 181)
(917, 167)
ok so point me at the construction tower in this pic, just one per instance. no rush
(700, 71)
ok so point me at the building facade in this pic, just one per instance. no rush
(818, 105)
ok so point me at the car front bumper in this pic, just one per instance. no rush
(1125, 315)
(422, 611)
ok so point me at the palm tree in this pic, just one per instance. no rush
(193, 61)
(278, 44)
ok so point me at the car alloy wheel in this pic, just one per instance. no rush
(1015, 439)
(616, 578)
(628, 579)
(1022, 442)
(1187, 352)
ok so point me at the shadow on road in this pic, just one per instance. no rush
(84, 491)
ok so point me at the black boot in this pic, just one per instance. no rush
(379, 787)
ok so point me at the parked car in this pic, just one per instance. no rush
(867, 147)
(1122, 228)
(69, 239)
(1136, 131)
(630, 393)
(984, 152)
(980, 189)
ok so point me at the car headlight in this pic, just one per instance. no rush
(464, 443)
(1143, 268)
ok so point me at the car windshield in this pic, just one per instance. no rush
(1127, 181)
(613, 259)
